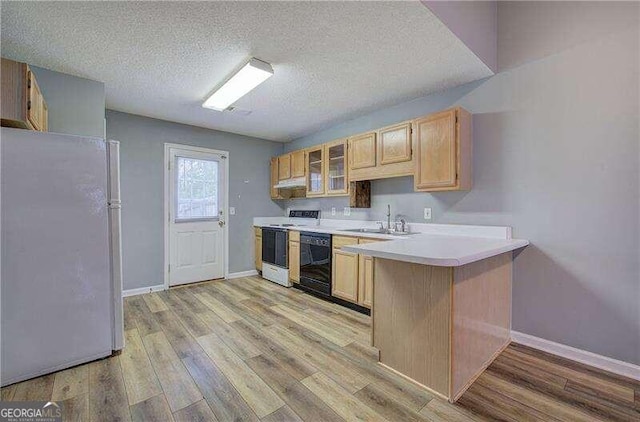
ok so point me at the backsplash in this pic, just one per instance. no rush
(397, 192)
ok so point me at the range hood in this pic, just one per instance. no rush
(295, 183)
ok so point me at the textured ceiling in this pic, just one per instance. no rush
(332, 60)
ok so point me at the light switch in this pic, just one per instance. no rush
(333, 210)
(232, 210)
(427, 213)
(346, 211)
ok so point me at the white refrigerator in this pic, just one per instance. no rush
(60, 267)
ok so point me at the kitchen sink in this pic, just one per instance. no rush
(377, 231)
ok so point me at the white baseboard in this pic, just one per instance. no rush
(615, 366)
(241, 274)
(142, 290)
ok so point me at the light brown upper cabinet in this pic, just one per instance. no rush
(284, 167)
(335, 154)
(362, 151)
(297, 163)
(275, 193)
(443, 151)
(23, 105)
(394, 144)
(315, 171)
(381, 154)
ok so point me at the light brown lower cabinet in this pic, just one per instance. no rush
(352, 278)
(294, 261)
(258, 248)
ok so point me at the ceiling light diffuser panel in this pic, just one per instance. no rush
(242, 82)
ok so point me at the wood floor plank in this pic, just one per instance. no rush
(107, 394)
(496, 406)
(236, 341)
(301, 400)
(295, 365)
(600, 407)
(39, 388)
(597, 384)
(8, 392)
(324, 330)
(145, 319)
(197, 412)
(188, 318)
(129, 314)
(218, 307)
(235, 294)
(534, 399)
(284, 414)
(385, 405)
(70, 383)
(153, 409)
(333, 365)
(76, 408)
(440, 409)
(362, 351)
(179, 388)
(182, 342)
(140, 379)
(154, 302)
(223, 399)
(339, 399)
(186, 296)
(262, 399)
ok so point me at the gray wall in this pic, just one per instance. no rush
(76, 105)
(556, 156)
(142, 173)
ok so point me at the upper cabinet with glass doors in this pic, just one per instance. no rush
(336, 167)
(315, 171)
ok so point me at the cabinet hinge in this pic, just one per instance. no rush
(456, 119)
(29, 105)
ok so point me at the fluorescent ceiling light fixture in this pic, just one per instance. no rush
(250, 76)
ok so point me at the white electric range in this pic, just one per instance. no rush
(275, 245)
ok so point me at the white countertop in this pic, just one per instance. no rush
(439, 250)
(444, 245)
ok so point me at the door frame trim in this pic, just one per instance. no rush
(167, 147)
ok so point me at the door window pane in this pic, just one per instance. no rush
(196, 188)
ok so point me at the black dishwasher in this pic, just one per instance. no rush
(315, 263)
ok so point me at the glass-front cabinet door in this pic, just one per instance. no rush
(315, 175)
(336, 167)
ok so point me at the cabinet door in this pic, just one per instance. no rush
(284, 167)
(365, 281)
(258, 249)
(275, 193)
(297, 163)
(345, 275)
(436, 157)
(394, 144)
(335, 169)
(362, 151)
(34, 105)
(315, 169)
(294, 262)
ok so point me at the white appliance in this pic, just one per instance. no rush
(61, 277)
(275, 245)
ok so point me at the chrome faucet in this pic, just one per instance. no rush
(389, 217)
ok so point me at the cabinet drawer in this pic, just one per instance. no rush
(294, 236)
(340, 241)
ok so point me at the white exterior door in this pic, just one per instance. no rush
(196, 215)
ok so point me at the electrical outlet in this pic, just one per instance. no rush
(232, 210)
(333, 210)
(427, 213)
(346, 211)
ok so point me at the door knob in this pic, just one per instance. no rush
(221, 223)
